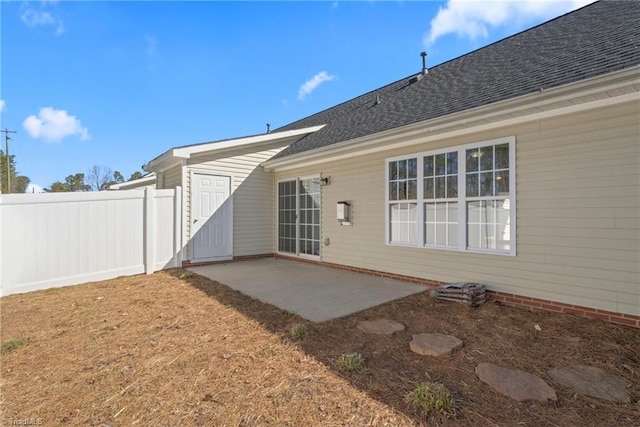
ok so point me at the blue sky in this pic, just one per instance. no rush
(117, 83)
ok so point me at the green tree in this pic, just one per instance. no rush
(135, 175)
(72, 183)
(117, 177)
(19, 183)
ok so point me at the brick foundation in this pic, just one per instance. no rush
(558, 307)
(512, 300)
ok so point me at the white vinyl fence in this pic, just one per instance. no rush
(59, 239)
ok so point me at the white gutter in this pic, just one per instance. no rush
(616, 87)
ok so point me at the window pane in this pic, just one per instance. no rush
(413, 189)
(402, 190)
(413, 168)
(472, 160)
(430, 212)
(502, 156)
(394, 230)
(411, 231)
(441, 234)
(486, 158)
(402, 169)
(428, 166)
(395, 212)
(472, 185)
(486, 184)
(440, 187)
(452, 215)
(453, 235)
(393, 191)
(441, 212)
(441, 164)
(393, 170)
(502, 183)
(430, 234)
(452, 163)
(403, 222)
(428, 188)
(452, 187)
(473, 212)
(473, 235)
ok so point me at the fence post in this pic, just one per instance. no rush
(177, 226)
(1, 292)
(149, 230)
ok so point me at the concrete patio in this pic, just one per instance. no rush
(314, 292)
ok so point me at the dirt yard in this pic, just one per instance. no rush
(174, 348)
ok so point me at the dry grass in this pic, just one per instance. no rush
(175, 348)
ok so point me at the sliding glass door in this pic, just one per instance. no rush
(299, 216)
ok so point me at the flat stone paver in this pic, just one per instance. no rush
(592, 381)
(314, 292)
(434, 344)
(380, 326)
(514, 383)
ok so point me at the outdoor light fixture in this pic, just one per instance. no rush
(325, 181)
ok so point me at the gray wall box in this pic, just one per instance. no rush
(344, 212)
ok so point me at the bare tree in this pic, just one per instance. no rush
(99, 177)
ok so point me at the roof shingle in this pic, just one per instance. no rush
(595, 40)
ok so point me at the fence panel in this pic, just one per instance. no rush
(59, 239)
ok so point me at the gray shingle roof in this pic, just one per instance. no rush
(599, 38)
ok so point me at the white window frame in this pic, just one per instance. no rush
(461, 199)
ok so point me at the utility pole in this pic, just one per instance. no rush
(6, 153)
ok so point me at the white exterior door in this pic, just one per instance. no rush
(211, 217)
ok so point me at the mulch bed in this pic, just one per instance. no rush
(175, 348)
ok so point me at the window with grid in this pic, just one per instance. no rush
(441, 199)
(403, 195)
(466, 196)
(487, 194)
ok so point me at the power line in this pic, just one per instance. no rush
(6, 153)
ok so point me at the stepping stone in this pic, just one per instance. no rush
(514, 383)
(434, 344)
(592, 382)
(380, 327)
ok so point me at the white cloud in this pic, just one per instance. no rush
(151, 44)
(3, 105)
(473, 18)
(40, 17)
(34, 188)
(315, 81)
(54, 125)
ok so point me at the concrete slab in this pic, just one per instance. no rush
(314, 292)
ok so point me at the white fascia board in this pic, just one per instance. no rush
(474, 120)
(174, 156)
(146, 180)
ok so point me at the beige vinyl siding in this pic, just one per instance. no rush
(578, 219)
(252, 193)
(172, 177)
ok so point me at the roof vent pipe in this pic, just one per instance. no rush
(424, 63)
(268, 128)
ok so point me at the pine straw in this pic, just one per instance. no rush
(174, 348)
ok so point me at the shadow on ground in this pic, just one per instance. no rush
(491, 333)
